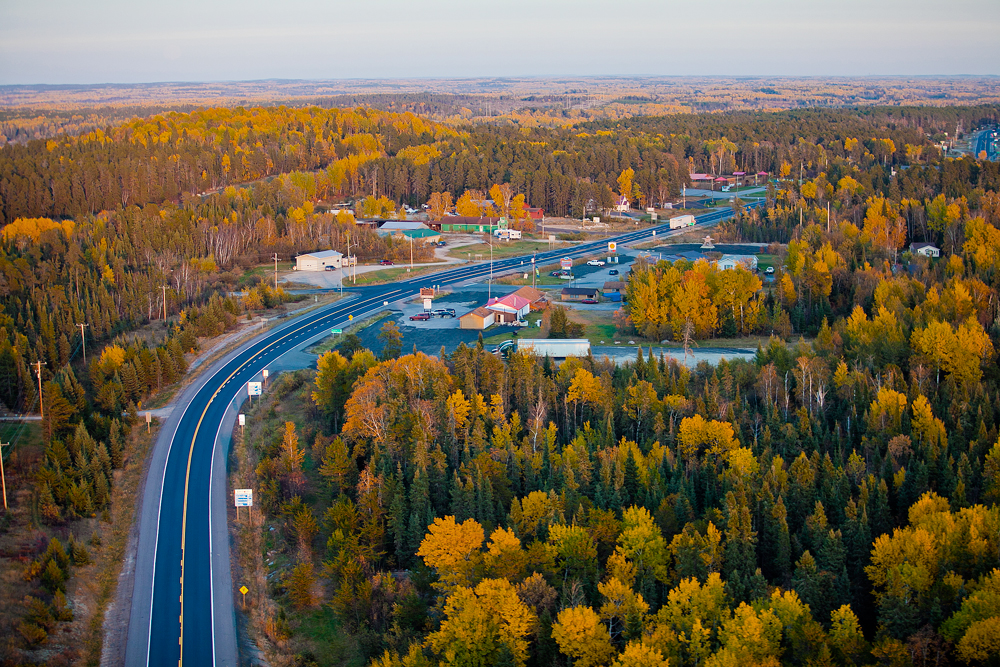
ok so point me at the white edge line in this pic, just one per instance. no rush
(211, 545)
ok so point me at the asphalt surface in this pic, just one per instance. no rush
(183, 600)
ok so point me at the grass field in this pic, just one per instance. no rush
(502, 249)
(389, 275)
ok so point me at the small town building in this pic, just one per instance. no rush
(622, 204)
(480, 319)
(732, 261)
(535, 297)
(509, 308)
(579, 293)
(318, 261)
(925, 249)
(614, 286)
(536, 213)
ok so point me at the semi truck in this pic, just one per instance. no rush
(557, 348)
(682, 221)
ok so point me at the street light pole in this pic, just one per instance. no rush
(489, 289)
(275, 271)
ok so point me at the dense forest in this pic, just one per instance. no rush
(832, 501)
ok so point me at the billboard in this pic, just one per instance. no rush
(253, 388)
(566, 263)
(244, 497)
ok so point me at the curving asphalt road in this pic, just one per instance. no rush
(182, 603)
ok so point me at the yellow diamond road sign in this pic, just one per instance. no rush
(244, 590)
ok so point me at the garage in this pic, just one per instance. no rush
(318, 261)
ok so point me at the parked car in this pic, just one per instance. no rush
(386, 262)
(443, 312)
(589, 301)
(421, 316)
(329, 268)
(556, 274)
(769, 270)
(442, 244)
(595, 262)
(613, 272)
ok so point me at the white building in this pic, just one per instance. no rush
(732, 261)
(319, 261)
(925, 249)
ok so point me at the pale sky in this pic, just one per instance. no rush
(134, 41)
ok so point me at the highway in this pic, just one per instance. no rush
(182, 603)
(985, 140)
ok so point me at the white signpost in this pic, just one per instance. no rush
(254, 389)
(264, 373)
(244, 498)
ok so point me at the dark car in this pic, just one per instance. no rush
(442, 244)
(443, 312)
(421, 316)
(589, 301)
(613, 272)
(386, 262)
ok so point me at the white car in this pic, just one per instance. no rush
(769, 270)
(595, 262)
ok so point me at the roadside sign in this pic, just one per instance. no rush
(566, 263)
(244, 497)
(336, 331)
(612, 246)
(254, 388)
(350, 317)
(265, 373)
(244, 590)
(243, 420)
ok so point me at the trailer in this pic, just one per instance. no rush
(557, 348)
(507, 234)
(682, 221)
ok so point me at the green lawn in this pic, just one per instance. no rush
(501, 249)
(387, 275)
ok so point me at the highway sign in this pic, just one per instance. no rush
(336, 331)
(612, 246)
(244, 497)
(254, 389)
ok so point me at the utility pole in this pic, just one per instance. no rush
(489, 289)
(38, 371)
(164, 288)
(275, 271)
(3, 477)
(83, 339)
(411, 252)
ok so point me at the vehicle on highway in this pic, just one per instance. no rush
(589, 301)
(769, 270)
(386, 262)
(595, 262)
(420, 317)
(613, 272)
(443, 312)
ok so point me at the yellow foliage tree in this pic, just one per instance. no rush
(482, 624)
(580, 635)
(453, 550)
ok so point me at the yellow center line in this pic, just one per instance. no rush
(187, 476)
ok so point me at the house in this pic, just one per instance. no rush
(622, 205)
(614, 286)
(925, 249)
(579, 293)
(480, 318)
(732, 261)
(536, 213)
(509, 308)
(318, 261)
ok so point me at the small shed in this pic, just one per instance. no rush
(480, 318)
(579, 293)
(925, 249)
(318, 261)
